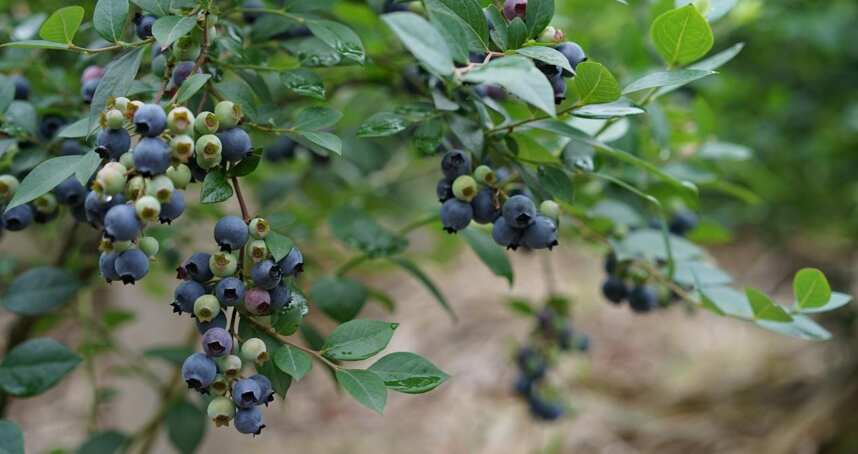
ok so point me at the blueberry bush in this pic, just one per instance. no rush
(209, 145)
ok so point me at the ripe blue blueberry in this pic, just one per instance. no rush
(217, 342)
(486, 207)
(281, 297)
(150, 120)
(249, 421)
(293, 264)
(523, 385)
(574, 53)
(519, 211)
(230, 291)
(541, 234)
(456, 215)
(531, 363)
(144, 26)
(18, 218)
(505, 235)
(112, 143)
(236, 144)
(22, 87)
(87, 90)
(96, 208)
(444, 190)
(185, 295)
(230, 233)
(173, 208)
(151, 156)
(107, 266)
(246, 393)
(218, 322)
(266, 390)
(121, 223)
(615, 290)
(182, 71)
(50, 126)
(682, 223)
(455, 163)
(70, 192)
(643, 298)
(266, 274)
(558, 84)
(283, 148)
(544, 409)
(199, 371)
(132, 265)
(197, 268)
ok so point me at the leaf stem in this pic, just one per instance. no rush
(245, 214)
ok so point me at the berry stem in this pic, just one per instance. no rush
(241, 203)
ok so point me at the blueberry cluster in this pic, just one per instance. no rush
(243, 276)
(478, 197)
(625, 283)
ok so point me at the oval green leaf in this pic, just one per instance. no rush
(681, 35)
(408, 373)
(35, 366)
(358, 339)
(62, 25)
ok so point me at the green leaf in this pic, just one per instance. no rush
(358, 339)
(709, 64)
(239, 92)
(35, 366)
(77, 130)
(115, 82)
(493, 255)
(801, 327)
(557, 183)
(36, 44)
(382, 124)
(516, 33)
(186, 426)
(279, 245)
(422, 40)
(40, 290)
(43, 178)
(365, 386)
(22, 114)
(338, 297)
(681, 35)
(357, 229)
(109, 19)
(452, 28)
(191, 86)
(648, 244)
(341, 38)
(106, 442)
(287, 321)
(594, 84)
(7, 92)
(693, 273)
(280, 381)
(62, 25)
(304, 82)
(469, 18)
(216, 188)
(315, 118)
(764, 308)
(325, 141)
(11, 438)
(811, 289)
(424, 279)
(86, 166)
(170, 28)
(499, 32)
(724, 150)
(725, 300)
(614, 109)
(547, 55)
(162, 7)
(408, 373)
(518, 76)
(247, 165)
(293, 361)
(539, 15)
(675, 78)
(837, 300)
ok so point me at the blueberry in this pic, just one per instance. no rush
(485, 175)
(249, 421)
(132, 265)
(293, 264)
(182, 71)
(281, 297)
(144, 26)
(390, 6)
(151, 156)
(455, 163)
(230, 365)
(444, 190)
(505, 235)
(682, 223)
(87, 90)
(283, 148)
(615, 290)
(79, 213)
(643, 298)
(236, 144)
(217, 342)
(266, 274)
(218, 322)
(228, 114)
(50, 126)
(185, 295)
(121, 223)
(112, 143)
(107, 266)
(18, 218)
(254, 349)
(523, 385)
(206, 308)
(485, 205)
(180, 120)
(465, 188)
(541, 234)
(251, 16)
(246, 393)
(267, 391)
(543, 409)
(558, 84)
(259, 228)
(150, 120)
(22, 87)
(230, 291)
(173, 208)
(456, 215)
(257, 301)
(92, 72)
(221, 410)
(519, 211)
(71, 147)
(96, 208)
(197, 267)
(492, 91)
(574, 53)
(230, 233)
(199, 371)
(515, 8)
(611, 263)
(531, 363)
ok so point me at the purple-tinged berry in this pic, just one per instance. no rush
(257, 301)
(515, 8)
(643, 298)
(182, 71)
(573, 53)
(217, 342)
(444, 190)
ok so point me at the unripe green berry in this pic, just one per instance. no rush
(180, 120)
(206, 123)
(161, 187)
(135, 188)
(46, 203)
(228, 114)
(150, 246)
(230, 365)
(121, 246)
(552, 35)
(208, 151)
(550, 209)
(223, 264)
(220, 385)
(465, 188)
(254, 349)
(110, 179)
(206, 308)
(127, 160)
(148, 208)
(180, 175)
(221, 410)
(8, 185)
(182, 147)
(259, 228)
(114, 119)
(257, 250)
(484, 174)
(120, 103)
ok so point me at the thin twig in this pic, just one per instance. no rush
(245, 214)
